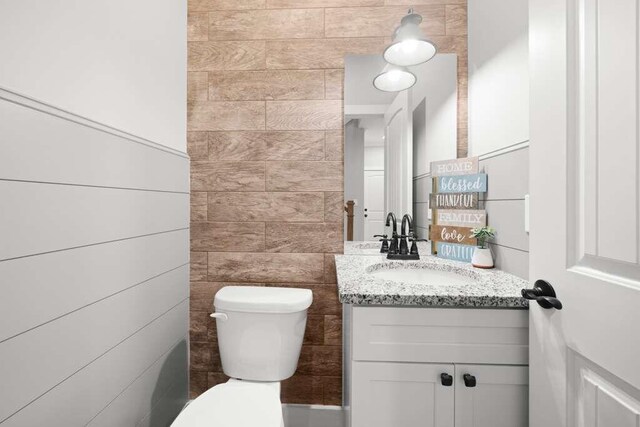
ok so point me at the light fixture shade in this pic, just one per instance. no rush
(394, 79)
(409, 47)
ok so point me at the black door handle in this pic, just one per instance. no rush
(549, 302)
(544, 294)
(446, 379)
(469, 380)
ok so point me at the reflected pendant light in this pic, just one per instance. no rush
(410, 46)
(394, 79)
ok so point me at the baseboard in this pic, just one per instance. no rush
(313, 416)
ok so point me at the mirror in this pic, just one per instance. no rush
(390, 140)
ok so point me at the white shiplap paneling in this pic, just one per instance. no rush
(38, 218)
(76, 340)
(69, 404)
(77, 278)
(93, 267)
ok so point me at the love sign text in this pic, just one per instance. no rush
(446, 233)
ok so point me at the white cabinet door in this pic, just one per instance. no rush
(498, 399)
(401, 394)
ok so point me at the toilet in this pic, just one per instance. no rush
(260, 333)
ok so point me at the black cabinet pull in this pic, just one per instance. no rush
(469, 380)
(446, 379)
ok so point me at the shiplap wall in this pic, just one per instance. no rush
(499, 122)
(508, 173)
(93, 272)
(508, 182)
(94, 213)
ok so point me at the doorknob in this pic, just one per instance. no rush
(446, 379)
(469, 380)
(544, 294)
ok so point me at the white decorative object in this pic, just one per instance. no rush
(482, 258)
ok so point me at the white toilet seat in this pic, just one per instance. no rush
(234, 404)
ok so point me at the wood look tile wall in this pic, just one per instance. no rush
(265, 139)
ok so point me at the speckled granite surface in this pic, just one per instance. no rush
(373, 248)
(487, 288)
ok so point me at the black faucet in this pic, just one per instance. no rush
(406, 230)
(407, 221)
(391, 221)
(385, 243)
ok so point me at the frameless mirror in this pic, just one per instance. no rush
(391, 138)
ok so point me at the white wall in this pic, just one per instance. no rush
(499, 121)
(434, 105)
(498, 74)
(121, 63)
(374, 159)
(94, 223)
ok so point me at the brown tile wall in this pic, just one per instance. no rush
(265, 139)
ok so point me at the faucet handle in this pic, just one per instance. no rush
(385, 243)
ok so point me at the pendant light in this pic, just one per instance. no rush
(394, 79)
(410, 46)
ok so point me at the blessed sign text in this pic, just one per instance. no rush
(462, 218)
(453, 201)
(466, 166)
(447, 233)
(463, 183)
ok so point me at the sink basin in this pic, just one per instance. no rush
(420, 274)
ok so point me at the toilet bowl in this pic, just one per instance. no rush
(260, 333)
(234, 404)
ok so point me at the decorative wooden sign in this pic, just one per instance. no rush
(447, 233)
(455, 252)
(462, 218)
(466, 166)
(463, 183)
(453, 201)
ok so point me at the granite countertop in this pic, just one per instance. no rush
(489, 288)
(372, 247)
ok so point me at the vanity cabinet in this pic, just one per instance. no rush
(399, 360)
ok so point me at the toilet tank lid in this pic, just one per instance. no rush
(261, 299)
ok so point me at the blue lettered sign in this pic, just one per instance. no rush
(455, 252)
(463, 183)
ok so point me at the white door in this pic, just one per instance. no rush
(585, 222)
(398, 156)
(491, 396)
(373, 204)
(401, 394)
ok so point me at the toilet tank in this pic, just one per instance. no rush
(261, 335)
